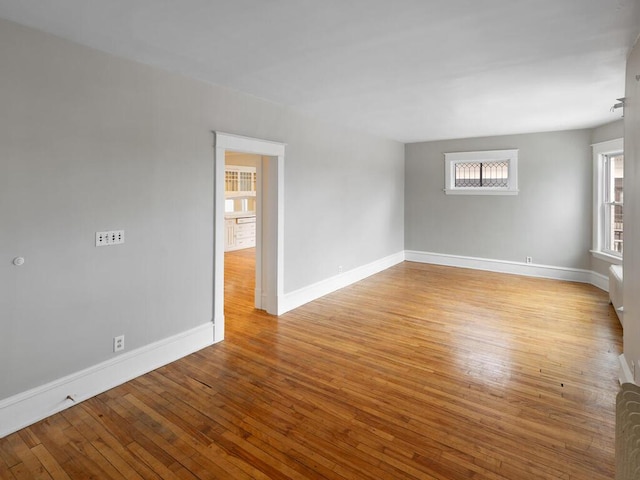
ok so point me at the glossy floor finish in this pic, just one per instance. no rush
(421, 371)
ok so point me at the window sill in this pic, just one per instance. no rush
(607, 257)
(479, 191)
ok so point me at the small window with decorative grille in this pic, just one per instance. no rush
(492, 172)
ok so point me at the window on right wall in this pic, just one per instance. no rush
(608, 194)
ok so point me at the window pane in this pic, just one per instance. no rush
(482, 174)
(490, 172)
(495, 174)
(618, 176)
(468, 174)
(615, 228)
(614, 197)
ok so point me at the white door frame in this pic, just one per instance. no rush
(270, 244)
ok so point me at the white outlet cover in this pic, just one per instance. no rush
(118, 343)
(110, 237)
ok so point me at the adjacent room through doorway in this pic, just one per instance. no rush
(240, 231)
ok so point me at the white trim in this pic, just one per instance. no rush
(452, 158)
(516, 268)
(317, 290)
(480, 191)
(218, 239)
(600, 281)
(312, 292)
(599, 151)
(28, 407)
(609, 146)
(624, 372)
(607, 257)
(259, 296)
(239, 143)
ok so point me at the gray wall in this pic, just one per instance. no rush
(608, 131)
(631, 299)
(91, 142)
(549, 220)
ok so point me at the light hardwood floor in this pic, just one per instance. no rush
(421, 371)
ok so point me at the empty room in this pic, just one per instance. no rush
(341, 240)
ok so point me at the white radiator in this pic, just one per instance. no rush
(628, 433)
(615, 290)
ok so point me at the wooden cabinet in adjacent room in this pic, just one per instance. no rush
(240, 203)
(240, 233)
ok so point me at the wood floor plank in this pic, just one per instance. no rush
(5, 473)
(85, 456)
(52, 466)
(28, 466)
(8, 453)
(196, 457)
(222, 413)
(161, 470)
(182, 415)
(419, 372)
(28, 437)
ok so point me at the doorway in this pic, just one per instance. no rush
(269, 223)
(240, 224)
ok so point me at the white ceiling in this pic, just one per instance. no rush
(410, 70)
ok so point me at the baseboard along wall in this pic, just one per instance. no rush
(312, 292)
(510, 267)
(28, 407)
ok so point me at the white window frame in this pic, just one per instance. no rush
(452, 158)
(600, 152)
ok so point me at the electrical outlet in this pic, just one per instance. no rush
(529, 259)
(339, 268)
(101, 239)
(111, 237)
(118, 343)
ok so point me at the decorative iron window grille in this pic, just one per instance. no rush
(482, 174)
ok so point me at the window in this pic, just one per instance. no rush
(608, 180)
(614, 177)
(482, 173)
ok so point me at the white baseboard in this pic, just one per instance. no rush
(600, 281)
(304, 295)
(218, 329)
(624, 372)
(307, 294)
(28, 407)
(516, 268)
